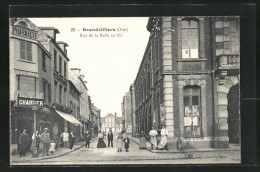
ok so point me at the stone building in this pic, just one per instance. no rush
(188, 80)
(30, 78)
(78, 79)
(112, 122)
(126, 112)
(38, 70)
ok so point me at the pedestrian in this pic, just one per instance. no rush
(163, 143)
(46, 139)
(65, 136)
(153, 133)
(38, 140)
(110, 138)
(101, 143)
(71, 139)
(88, 138)
(52, 147)
(142, 141)
(120, 142)
(126, 141)
(23, 141)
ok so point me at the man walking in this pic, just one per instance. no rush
(71, 139)
(110, 138)
(65, 136)
(88, 138)
(46, 140)
(23, 141)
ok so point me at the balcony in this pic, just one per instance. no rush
(60, 78)
(228, 64)
(35, 95)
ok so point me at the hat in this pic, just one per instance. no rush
(45, 129)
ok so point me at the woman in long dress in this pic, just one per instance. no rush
(153, 133)
(120, 142)
(101, 143)
(142, 141)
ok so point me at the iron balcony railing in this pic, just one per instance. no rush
(36, 95)
(228, 62)
(60, 78)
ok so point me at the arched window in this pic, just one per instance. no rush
(23, 24)
(190, 38)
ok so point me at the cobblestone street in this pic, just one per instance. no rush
(134, 156)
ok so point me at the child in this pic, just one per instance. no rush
(52, 147)
(126, 141)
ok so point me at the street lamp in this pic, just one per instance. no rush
(35, 153)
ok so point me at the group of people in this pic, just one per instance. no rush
(153, 133)
(44, 138)
(68, 139)
(121, 139)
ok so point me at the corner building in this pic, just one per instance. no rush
(189, 80)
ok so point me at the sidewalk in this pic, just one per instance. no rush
(148, 147)
(57, 153)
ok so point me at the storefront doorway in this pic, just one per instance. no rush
(234, 115)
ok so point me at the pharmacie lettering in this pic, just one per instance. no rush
(24, 32)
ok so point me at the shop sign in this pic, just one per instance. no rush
(27, 74)
(27, 33)
(22, 101)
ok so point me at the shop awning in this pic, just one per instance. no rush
(69, 118)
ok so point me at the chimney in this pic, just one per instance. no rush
(51, 31)
(76, 70)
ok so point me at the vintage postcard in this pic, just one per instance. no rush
(125, 90)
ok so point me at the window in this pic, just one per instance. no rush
(192, 118)
(60, 96)
(60, 64)
(44, 90)
(43, 61)
(55, 59)
(65, 91)
(65, 69)
(55, 90)
(27, 84)
(49, 93)
(190, 39)
(25, 50)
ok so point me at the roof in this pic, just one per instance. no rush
(62, 42)
(50, 28)
(110, 115)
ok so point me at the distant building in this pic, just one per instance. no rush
(126, 112)
(112, 122)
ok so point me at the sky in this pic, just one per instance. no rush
(110, 64)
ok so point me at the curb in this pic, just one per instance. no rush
(56, 155)
(188, 150)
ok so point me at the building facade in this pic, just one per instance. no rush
(188, 81)
(30, 78)
(78, 79)
(95, 119)
(126, 112)
(38, 70)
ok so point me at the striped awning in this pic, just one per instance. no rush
(69, 118)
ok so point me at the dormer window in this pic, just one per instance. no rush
(23, 24)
